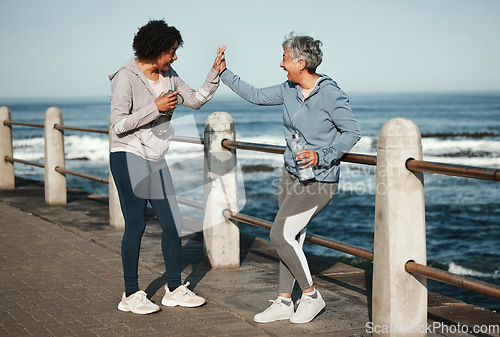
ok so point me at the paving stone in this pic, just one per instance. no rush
(60, 275)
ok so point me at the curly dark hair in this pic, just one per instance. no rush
(155, 38)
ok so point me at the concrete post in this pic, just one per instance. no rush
(221, 236)
(399, 298)
(55, 182)
(115, 212)
(7, 181)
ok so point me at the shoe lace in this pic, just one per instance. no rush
(275, 302)
(300, 300)
(142, 297)
(185, 290)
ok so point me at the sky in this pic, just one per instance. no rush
(56, 48)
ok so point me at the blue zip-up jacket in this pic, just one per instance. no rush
(324, 119)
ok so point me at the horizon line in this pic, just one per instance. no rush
(233, 95)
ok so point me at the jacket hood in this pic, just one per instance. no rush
(323, 81)
(133, 67)
(130, 65)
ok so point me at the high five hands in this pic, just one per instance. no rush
(220, 60)
(168, 101)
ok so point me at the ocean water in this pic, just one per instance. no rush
(462, 215)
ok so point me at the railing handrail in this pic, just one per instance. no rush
(412, 164)
(81, 175)
(191, 140)
(16, 160)
(267, 148)
(412, 267)
(190, 203)
(312, 238)
(453, 279)
(279, 149)
(10, 123)
(76, 128)
(465, 171)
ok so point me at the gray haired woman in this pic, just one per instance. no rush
(316, 110)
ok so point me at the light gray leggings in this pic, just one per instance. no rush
(298, 204)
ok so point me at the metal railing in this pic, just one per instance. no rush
(27, 162)
(75, 128)
(453, 170)
(455, 280)
(411, 164)
(58, 169)
(312, 238)
(10, 123)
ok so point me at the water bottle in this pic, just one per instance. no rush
(299, 144)
(161, 127)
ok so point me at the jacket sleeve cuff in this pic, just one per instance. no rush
(213, 76)
(328, 154)
(226, 75)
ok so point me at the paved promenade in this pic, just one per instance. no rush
(60, 275)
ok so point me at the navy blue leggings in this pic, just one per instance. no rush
(125, 167)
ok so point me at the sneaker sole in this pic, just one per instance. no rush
(125, 309)
(169, 303)
(274, 320)
(316, 314)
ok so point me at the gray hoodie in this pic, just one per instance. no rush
(133, 108)
(324, 119)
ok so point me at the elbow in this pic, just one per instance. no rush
(119, 127)
(358, 136)
(194, 105)
(355, 134)
(116, 130)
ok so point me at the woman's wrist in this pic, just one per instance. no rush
(219, 72)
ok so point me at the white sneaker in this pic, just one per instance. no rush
(309, 307)
(181, 296)
(138, 303)
(278, 311)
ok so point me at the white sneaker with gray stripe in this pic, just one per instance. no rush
(309, 307)
(279, 310)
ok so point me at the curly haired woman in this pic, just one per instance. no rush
(145, 92)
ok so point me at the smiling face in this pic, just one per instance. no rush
(167, 58)
(290, 67)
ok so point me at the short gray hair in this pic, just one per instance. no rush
(304, 48)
